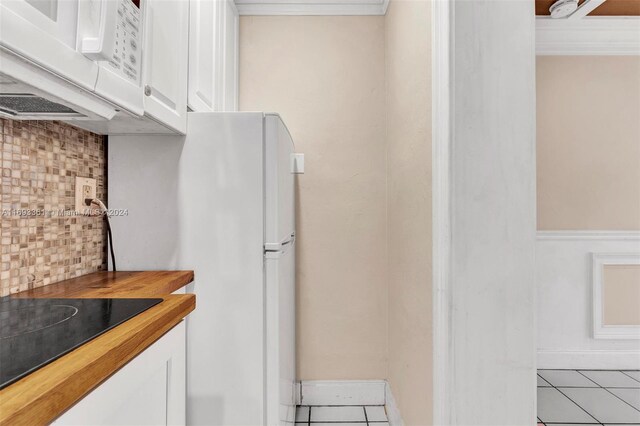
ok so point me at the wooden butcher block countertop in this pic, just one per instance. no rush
(45, 394)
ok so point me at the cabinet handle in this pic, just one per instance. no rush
(147, 90)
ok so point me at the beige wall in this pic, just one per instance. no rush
(325, 76)
(355, 93)
(621, 294)
(588, 142)
(408, 64)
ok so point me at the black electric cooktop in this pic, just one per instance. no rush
(35, 332)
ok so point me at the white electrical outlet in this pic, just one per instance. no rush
(85, 188)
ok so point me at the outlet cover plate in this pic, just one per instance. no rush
(297, 163)
(85, 188)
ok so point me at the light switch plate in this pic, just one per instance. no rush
(85, 188)
(297, 163)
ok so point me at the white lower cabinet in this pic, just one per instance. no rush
(149, 390)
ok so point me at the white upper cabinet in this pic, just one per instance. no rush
(213, 55)
(228, 99)
(165, 62)
(202, 51)
(187, 51)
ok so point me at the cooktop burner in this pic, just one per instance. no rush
(35, 332)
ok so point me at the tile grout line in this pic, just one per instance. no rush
(544, 380)
(338, 422)
(364, 422)
(629, 376)
(588, 387)
(602, 387)
(562, 393)
(341, 405)
(579, 406)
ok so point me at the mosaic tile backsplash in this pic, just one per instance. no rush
(41, 240)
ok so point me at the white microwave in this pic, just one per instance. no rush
(70, 59)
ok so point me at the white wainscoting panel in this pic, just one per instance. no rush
(565, 301)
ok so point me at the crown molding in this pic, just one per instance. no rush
(316, 7)
(588, 36)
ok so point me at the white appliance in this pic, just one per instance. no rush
(70, 59)
(220, 201)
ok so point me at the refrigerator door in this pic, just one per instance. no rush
(279, 184)
(280, 273)
(197, 203)
(280, 336)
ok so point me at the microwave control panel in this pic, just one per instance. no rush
(126, 59)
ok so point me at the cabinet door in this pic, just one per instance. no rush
(203, 25)
(229, 85)
(165, 61)
(213, 55)
(149, 390)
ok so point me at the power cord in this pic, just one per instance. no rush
(103, 211)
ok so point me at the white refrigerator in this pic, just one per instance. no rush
(220, 201)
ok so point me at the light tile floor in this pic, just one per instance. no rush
(588, 397)
(343, 415)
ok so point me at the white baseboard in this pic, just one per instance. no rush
(342, 392)
(298, 392)
(351, 392)
(393, 413)
(589, 360)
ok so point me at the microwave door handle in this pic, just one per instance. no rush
(100, 44)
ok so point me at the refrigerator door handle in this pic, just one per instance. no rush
(281, 245)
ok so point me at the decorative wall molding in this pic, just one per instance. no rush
(315, 7)
(588, 36)
(589, 235)
(343, 392)
(441, 221)
(600, 330)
